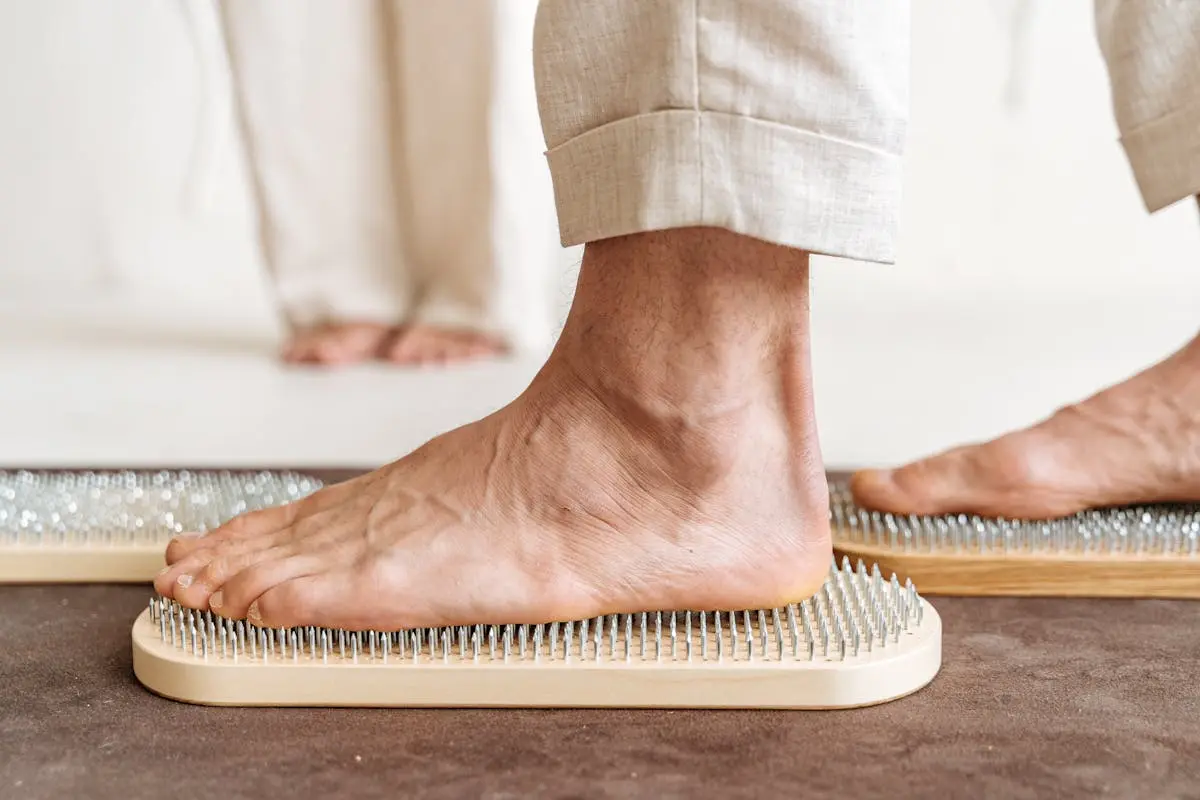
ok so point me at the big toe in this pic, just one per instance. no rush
(1023, 475)
(938, 485)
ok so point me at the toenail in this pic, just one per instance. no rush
(252, 614)
(216, 601)
(184, 580)
(878, 476)
(164, 570)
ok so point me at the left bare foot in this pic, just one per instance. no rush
(335, 343)
(1137, 442)
(665, 458)
(427, 344)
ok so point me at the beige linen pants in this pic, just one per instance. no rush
(398, 160)
(785, 119)
(1152, 48)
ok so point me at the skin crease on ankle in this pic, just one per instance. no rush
(664, 458)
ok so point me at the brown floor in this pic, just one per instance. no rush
(1036, 698)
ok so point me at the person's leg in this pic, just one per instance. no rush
(312, 86)
(479, 213)
(1134, 442)
(666, 455)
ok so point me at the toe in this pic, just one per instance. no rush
(197, 582)
(331, 351)
(254, 523)
(236, 596)
(933, 485)
(439, 354)
(181, 571)
(320, 599)
(400, 351)
(302, 349)
(457, 350)
(176, 576)
(482, 349)
(1014, 476)
(267, 520)
(297, 348)
(338, 344)
(874, 488)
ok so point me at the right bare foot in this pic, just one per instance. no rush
(1133, 443)
(665, 458)
(336, 343)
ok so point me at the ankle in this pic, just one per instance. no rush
(694, 320)
(694, 343)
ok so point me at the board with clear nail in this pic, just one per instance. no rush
(113, 526)
(1146, 551)
(861, 640)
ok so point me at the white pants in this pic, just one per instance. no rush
(1152, 48)
(785, 119)
(398, 160)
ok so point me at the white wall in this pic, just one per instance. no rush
(1029, 273)
(120, 160)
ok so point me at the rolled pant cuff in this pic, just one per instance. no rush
(682, 168)
(1165, 157)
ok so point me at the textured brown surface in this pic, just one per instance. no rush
(1037, 698)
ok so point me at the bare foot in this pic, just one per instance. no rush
(664, 458)
(336, 343)
(1137, 442)
(428, 344)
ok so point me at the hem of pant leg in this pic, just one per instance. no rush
(1165, 157)
(781, 184)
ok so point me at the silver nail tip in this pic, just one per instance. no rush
(134, 507)
(1154, 529)
(853, 614)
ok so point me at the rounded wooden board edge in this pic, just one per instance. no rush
(1033, 575)
(96, 563)
(888, 674)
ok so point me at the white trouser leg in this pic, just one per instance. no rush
(312, 78)
(1152, 48)
(779, 119)
(480, 217)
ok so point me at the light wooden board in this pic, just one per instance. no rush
(300, 679)
(96, 563)
(1022, 574)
